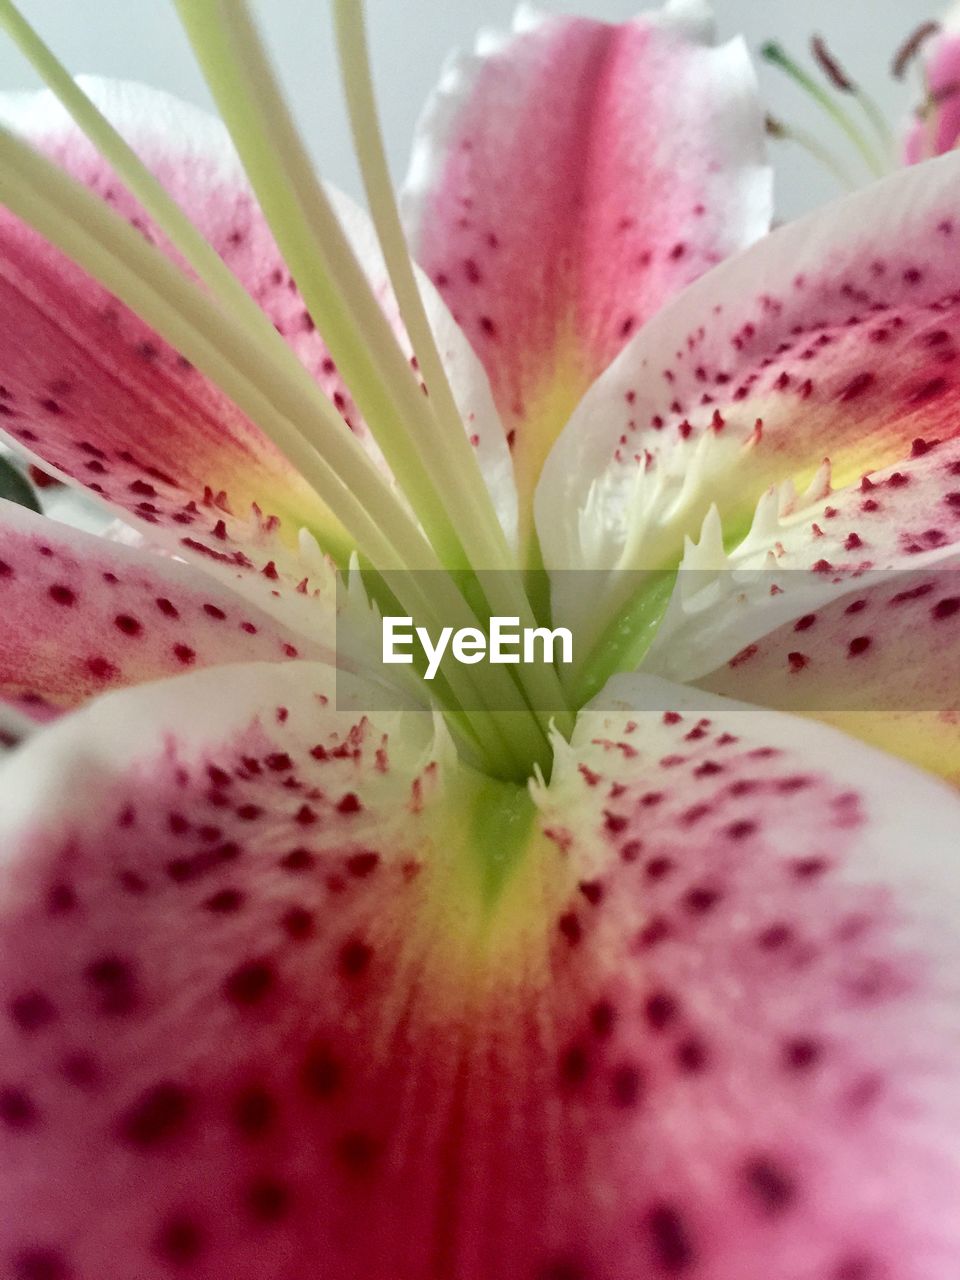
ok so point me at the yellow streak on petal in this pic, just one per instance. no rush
(928, 739)
(492, 888)
(547, 406)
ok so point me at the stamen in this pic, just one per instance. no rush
(830, 66)
(336, 289)
(813, 146)
(837, 74)
(777, 56)
(214, 272)
(911, 47)
(459, 463)
(333, 284)
(454, 463)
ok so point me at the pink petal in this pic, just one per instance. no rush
(835, 337)
(464, 370)
(260, 1013)
(80, 615)
(216, 902)
(876, 534)
(764, 1018)
(879, 663)
(566, 182)
(845, 352)
(91, 390)
(104, 371)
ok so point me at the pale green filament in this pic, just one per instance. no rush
(340, 298)
(460, 472)
(813, 146)
(774, 54)
(877, 120)
(454, 463)
(845, 84)
(348, 314)
(290, 380)
(332, 282)
(289, 376)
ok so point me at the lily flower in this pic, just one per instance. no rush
(594, 973)
(936, 46)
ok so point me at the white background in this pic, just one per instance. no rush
(140, 39)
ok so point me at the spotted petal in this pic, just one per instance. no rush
(566, 181)
(824, 353)
(81, 614)
(750, 935)
(842, 608)
(92, 391)
(266, 1003)
(879, 663)
(87, 387)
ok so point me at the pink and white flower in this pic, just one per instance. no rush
(937, 126)
(667, 989)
